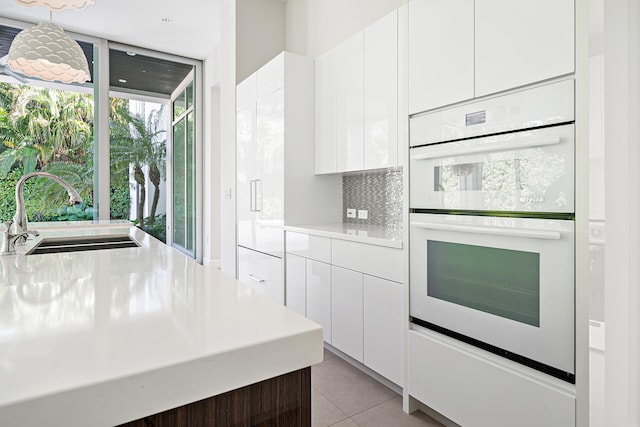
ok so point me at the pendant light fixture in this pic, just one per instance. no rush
(46, 52)
(58, 5)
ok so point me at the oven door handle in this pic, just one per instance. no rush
(498, 231)
(469, 147)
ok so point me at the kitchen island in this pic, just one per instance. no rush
(107, 337)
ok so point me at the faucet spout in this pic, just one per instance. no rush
(20, 217)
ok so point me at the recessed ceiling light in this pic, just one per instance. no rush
(166, 20)
(131, 53)
(122, 80)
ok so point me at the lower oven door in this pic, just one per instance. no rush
(506, 284)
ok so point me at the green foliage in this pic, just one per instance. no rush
(52, 130)
(120, 201)
(80, 212)
(158, 229)
(39, 207)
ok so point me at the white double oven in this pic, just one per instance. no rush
(491, 225)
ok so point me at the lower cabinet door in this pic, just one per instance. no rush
(346, 311)
(319, 295)
(383, 327)
(296, 288)
(261, 272)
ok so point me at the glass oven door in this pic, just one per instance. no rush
(527, 171)
(506, 283)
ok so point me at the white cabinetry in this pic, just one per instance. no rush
(472, 387)
(319, 295)
(350, 291)
(346, 311)
(296, 278)
(440, 53)
(349, 106)
(381, 93)
(261, 272)
(461, 49)
(356, 87)
(382, 301)
(325, 113)
(521, 42)
(275, 161)
(380, 261)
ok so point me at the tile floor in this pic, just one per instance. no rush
(344, 396)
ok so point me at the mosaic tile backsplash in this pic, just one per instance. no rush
(379, 192)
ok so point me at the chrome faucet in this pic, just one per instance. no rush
(9, 239)
(20, 218)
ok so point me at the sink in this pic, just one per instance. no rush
(53, 245)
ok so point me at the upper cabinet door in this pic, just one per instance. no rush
(325, 113)
(521, 42)
(349, 104)
(381, 93)
(441, 52)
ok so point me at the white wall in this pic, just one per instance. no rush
(228, 137)
(260, 34)
(211, 152)
(622, 205)
(315, 26)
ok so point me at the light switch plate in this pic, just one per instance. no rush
(363, 214)
(351, 213)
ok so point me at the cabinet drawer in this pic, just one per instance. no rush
(261, 272)
(470, 390)
(309, 246)
(379, 261)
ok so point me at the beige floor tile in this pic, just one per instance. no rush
(346, 423)
(351, 390)
(390, 413)
(328, 354)
(323, 412)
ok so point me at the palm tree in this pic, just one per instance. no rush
(139, 143)
(45, 126)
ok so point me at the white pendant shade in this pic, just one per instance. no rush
(48, 53)
(58, 5)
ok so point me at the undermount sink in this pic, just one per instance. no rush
(82, 243)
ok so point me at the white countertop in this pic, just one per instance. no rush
(104, 337)
(372, 234)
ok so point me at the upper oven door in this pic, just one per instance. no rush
(507, 282)
(526, 171)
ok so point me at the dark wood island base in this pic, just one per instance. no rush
(281, 401)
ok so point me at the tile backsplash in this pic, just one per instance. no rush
(379, 192)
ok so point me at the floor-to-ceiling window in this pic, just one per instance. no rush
(111, 138)
(46, 127)
(184, 171)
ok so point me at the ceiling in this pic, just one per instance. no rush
(192, 30)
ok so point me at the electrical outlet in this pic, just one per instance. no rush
(363, 214)
(351, 213)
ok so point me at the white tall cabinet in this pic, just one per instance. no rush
(465, 49)
(356, 106)
(275, 168)
(440, 53)
(532, 41)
